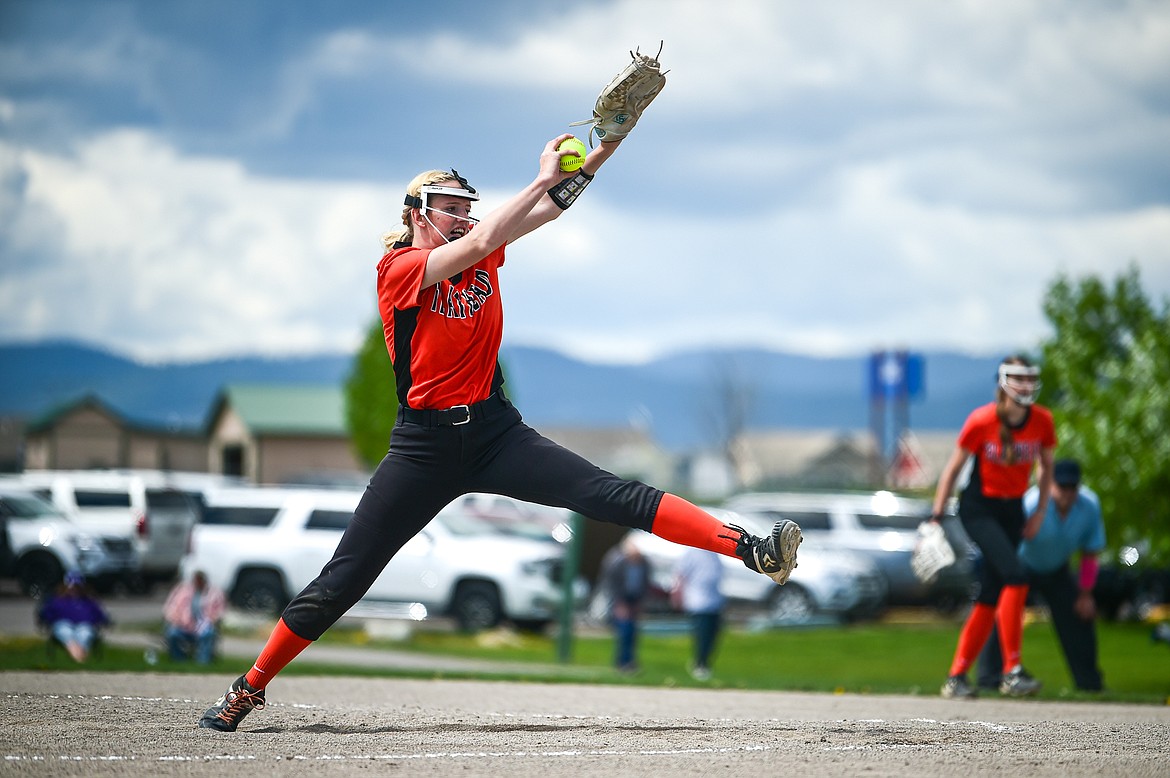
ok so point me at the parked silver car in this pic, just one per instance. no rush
(141, 507)
(879, 525)
(826, 585)
(39, 544)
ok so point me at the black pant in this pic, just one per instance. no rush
(428, 467)
(705, 632)
(1078, 638)
(995, 525)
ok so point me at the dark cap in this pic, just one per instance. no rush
(1066, 472)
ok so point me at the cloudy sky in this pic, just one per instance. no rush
(197, 178)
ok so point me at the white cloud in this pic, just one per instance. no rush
(816, 177)
(875, 266)
(174, 257)
(171, 256)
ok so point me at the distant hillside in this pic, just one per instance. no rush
(673, 396)
(40, 376)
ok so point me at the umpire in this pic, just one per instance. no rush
(1072, 524)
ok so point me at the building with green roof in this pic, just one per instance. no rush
(280, 433)
(266, 433)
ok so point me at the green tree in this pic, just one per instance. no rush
(371, 398)
(1107, 379)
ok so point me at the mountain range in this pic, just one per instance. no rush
(678, 398)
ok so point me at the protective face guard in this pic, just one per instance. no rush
(422, 203)
(1020, 382)
(465, 190)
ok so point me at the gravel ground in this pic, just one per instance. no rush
(144, 725)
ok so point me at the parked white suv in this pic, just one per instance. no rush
(145, 508)
(39, 544)
(880, 525)
(262, 545)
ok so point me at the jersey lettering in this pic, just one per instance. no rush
(1025, 451)
(444, 338)
(462, 303)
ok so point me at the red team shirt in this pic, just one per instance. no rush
(980, 436)
(444, 340)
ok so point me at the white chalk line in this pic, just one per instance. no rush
(500, 714)
(132, 698)
(393, 757)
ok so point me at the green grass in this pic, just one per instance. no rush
(867, 658)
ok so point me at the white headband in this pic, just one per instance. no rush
(1018, 371)
(450, 191)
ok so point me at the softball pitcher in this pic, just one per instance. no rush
(457, 432)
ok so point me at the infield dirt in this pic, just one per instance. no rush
(144, 725)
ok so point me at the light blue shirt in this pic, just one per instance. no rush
(701, 573)
(1082, 530)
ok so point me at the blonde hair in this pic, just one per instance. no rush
(406, 234)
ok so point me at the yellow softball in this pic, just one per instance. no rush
(569, 163)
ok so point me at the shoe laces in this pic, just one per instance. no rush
(238, 702)
(744, 541)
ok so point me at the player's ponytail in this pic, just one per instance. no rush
(1007, 443)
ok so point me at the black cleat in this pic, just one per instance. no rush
(226, 714)
(957, 688)
(775, 555)
(1019, 683)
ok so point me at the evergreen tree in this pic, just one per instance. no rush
(371, 398)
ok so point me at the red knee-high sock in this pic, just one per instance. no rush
(282, 647)
(1010, 620)
(975, 633)
(680, 522)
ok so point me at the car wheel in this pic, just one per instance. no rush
(476, 606)
(144, 585)
(791, 604)
(260, 591)
(533, 626)
(39, 574)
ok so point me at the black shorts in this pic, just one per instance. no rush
(428, 467)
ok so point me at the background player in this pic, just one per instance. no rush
(1008, 438)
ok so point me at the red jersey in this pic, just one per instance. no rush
(444, 340)
(980, 436)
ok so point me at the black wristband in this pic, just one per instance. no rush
(567, 191)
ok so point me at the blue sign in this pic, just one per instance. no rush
(896, 375)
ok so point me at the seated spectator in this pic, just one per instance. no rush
(192, 613)
(73, 616)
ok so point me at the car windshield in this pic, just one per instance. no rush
(169, 499)
(893, 521)
(458, 523)
(20, 506)
(526, 529)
